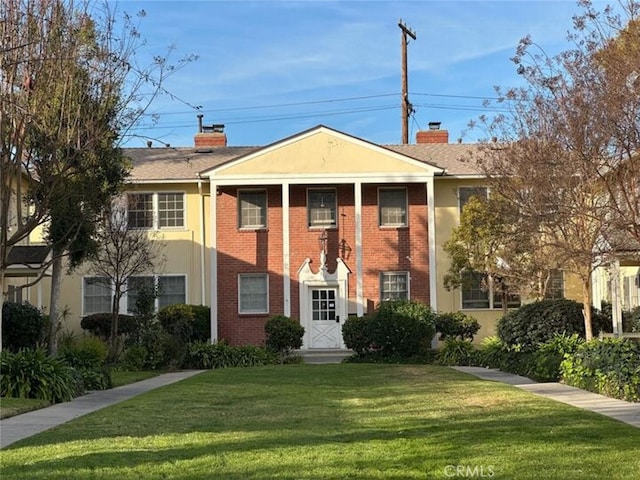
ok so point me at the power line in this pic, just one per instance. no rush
(279, 117)
(280, 105)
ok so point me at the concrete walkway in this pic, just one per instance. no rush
(627, 412)
(22, 426)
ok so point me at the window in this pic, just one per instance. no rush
(475, 293)
(555, 285)
(168, 208)
(322, 208)
(479, 293)
(96, 295)
(134, 286)
(14, 294)
(140, 210)
(513, 300)
(252, 209)
(394, 286)
(253, 294)
(392, 207)
(465, 193)
(169, 290)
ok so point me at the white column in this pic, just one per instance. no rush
(286, 259)
(213, 251)
(431, 225)
(357, 192)
(616, 298)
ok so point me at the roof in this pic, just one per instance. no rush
(28, 254)
(185, 164)
(169, 163)
(454, 158)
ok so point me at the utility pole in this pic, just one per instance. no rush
(405, 105)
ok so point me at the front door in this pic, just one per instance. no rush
(325, 319)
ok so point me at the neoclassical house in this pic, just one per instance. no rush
(317, 226)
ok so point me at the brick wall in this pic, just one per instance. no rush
(384, 249)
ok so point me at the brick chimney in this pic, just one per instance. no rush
(210, 136)
(433, 135)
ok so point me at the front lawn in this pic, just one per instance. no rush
(332, 421)
(16, 406)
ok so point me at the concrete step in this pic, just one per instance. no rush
(322, 356)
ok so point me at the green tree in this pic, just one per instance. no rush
(70, 91)
(494, 240)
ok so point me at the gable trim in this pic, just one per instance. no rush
(427, 167)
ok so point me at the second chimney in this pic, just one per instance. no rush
(210, 136)
(433, 135)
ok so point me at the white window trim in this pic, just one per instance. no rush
(394, 272)
(155, 214)
(321, 227)
(124, 301)
(83, 306)
(253, 312)
(406, 208)
(266, 208)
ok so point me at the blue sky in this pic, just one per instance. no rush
(337, 62)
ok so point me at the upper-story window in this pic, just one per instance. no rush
(322, 207)
(465, 193)
(155, 210)
(252, 209)
(392, 209)
(170, 210)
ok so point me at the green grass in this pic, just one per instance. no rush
(10, 407)
(121, 377)
(331, 421)
(15, 406)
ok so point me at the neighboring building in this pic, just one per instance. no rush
(317, 226)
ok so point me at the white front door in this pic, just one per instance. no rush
(325, 318)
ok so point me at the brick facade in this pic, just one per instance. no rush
(260, 251)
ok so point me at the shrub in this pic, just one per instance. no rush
(177, 320)
(134, 358)
(456, 325)
(99, 324)
(30, 373)
(402, 328)
(23, 326)
(537, 322)
(283, 335)
(457, 352)
(610, 366)
(87, 356)
(493, 352)
(357, 335)
(631, 321)
(549, 355)
(201, 323)
(203, 355)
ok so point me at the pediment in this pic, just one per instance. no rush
(322, 152)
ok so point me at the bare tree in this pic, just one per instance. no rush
(573, 126)
(124, 252)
